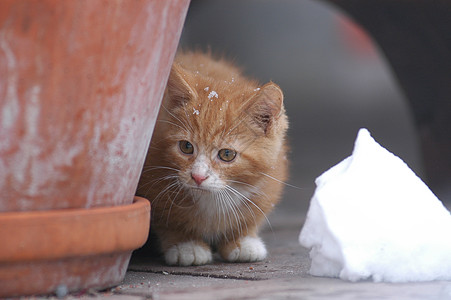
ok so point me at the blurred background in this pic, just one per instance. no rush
(334, 78)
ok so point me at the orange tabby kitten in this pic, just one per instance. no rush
(215, 163)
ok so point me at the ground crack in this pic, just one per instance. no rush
(200, 274)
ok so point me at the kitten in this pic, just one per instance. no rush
(216, 162)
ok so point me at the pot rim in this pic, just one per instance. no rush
(65, 233)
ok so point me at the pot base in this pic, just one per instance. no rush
(73, 249)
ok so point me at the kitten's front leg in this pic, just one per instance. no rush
(245, 249)
(186, 253)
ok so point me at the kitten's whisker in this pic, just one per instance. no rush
(238, 210)
(163, 178)
(173, 124)
(187, 118)
(221, 212)
(180, 201)
(156, 181)
(165, 190)
(217, 202)
(172, 115)
(236, 192)
(176, 166)
(280, 181)
(225, 215)
(241, 182)
(223, 131)
(232, 129)
(162, 194)
(167, 177)
(160, 167)
(179, 188)
(228, 212)
(255, 189)
(153, 147)
(168, 137)
(240, 198)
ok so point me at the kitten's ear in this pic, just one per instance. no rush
(178, 89)
(267, 106)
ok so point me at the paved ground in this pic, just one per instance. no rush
(283, 275)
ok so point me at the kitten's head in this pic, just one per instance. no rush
(220, 133)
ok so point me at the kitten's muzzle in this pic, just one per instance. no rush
(198, 178)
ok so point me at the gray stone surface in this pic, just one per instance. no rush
(284, 275)
(286, 259)
(294, 288)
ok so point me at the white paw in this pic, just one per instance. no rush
(187, 254)
(251, 249)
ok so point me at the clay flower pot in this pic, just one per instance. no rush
(80, 87)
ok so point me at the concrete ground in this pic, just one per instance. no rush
(283, 275)
(332, 87)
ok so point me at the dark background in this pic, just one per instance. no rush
(334, 78)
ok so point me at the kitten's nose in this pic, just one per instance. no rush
(198, 178)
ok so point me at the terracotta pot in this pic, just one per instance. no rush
(71, 248)
(80, 87)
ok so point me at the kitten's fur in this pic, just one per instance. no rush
(198, 200)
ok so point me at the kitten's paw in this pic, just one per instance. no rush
(250, 249)
(187, 254)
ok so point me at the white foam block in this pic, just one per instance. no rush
(371, 217)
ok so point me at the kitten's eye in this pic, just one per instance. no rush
(186, 147)
(226, 155)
